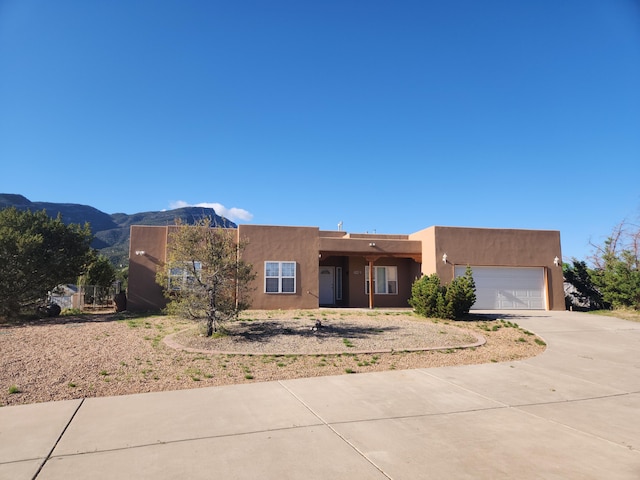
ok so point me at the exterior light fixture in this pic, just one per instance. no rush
(372, 244)
(444, 258)
(556, 261)
(140, 252)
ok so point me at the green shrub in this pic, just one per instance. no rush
(431, 299)
(424, 295)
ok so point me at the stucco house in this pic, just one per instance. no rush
(306, 268)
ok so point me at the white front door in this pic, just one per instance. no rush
(326, 285)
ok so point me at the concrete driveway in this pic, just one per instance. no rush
(570, 413)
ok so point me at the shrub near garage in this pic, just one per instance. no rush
(431, 299)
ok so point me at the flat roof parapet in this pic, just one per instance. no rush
(377, 236)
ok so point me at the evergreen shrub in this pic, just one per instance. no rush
(429, 298)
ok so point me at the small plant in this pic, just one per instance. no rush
(349, 370)
(13, 389)
(540, 342)
(509, 324)
(248, 376)
(72, 385)
(347, 343)
(104, 373)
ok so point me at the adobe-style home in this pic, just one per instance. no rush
(306, 268)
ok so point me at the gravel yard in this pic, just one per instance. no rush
(115, 354)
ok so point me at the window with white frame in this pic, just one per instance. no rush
(280, 277)
(183, 277)
(385, 280)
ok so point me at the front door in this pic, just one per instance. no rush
(327, 285)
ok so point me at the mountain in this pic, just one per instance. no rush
(111, 231)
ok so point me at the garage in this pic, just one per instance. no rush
(508, 288)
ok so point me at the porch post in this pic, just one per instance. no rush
(371, 284)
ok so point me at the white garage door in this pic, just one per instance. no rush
(506, 288)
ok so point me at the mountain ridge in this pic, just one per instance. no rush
(111, 231)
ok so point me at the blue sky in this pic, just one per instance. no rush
(386, 116)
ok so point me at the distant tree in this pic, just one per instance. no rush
(100, 275)
(204, 276)
(431, 299)
(617, 267)
(37, 253)
(122, 277)
(100, 272)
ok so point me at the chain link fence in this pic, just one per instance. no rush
(84, 297)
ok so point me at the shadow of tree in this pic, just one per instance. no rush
(263, 331)
(498, 315)
(74, 320)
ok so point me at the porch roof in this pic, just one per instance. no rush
(371, 246)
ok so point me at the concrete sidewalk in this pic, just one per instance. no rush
(572, 412)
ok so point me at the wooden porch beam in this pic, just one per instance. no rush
(371, 261)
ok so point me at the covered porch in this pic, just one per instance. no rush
(367, 270)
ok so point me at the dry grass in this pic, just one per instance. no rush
(624, 313)
(112, 354)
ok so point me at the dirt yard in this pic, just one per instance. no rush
(117, 354)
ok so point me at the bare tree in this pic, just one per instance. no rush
(617, 266)
(624, 237)
(204, 275)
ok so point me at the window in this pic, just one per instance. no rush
(180, 277)
(385, 280)
(280, 277)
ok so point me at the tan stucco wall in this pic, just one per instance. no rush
(144, 294)
(500, 248)
(427, 241)
(288, 244)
